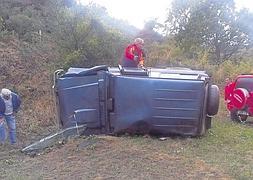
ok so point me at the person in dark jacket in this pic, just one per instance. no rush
(9, 104)
(134, 54)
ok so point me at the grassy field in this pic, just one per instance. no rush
(228, 146)
(225, 152)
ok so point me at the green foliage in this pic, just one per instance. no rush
(95, 43)
(72, 27)
(86, 35)
(3, 31)
(207, 24)
(203, 59)
(22, 24)
(71, 59)
(168, 54)
(245, 22)
(230, 69)
(37, 37)
(72, 30)
(1, 24)
(149, 32)
(162, 55)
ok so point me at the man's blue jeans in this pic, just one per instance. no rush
(11, 123)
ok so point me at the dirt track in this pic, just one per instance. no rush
(106, 157)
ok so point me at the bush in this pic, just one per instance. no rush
(71, 59)
(167, 54)
(230, 69)
(23, 25)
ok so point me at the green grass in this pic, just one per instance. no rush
(226, 149)
(228, 146)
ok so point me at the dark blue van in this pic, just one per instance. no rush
(153, 100)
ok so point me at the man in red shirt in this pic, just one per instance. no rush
(228, 90)
(134, 55)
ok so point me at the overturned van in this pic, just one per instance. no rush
(116, 100)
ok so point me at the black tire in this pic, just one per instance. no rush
(233, 116)
(213, 100)
(243, 118)
(237, 118)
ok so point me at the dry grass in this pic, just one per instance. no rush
(25, 69)
(224, 153)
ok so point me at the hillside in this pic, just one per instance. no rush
(36, 40)
(25, 70)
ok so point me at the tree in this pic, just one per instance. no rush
(72, 30)
(82, 34)
(245, 22)
(211, 25)
(149, 32)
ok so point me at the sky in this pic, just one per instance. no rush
(136, 12)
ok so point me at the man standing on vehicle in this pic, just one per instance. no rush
(134, 54)
(9, 103)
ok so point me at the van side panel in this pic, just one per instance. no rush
(79, 101)
(158, 105)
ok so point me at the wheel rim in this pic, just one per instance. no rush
(243, 117)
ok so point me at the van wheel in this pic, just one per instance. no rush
(213, 100)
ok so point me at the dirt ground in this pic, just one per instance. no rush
(108, 157)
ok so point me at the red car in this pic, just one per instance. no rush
(239, 97)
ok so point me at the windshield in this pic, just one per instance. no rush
(246, 83)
